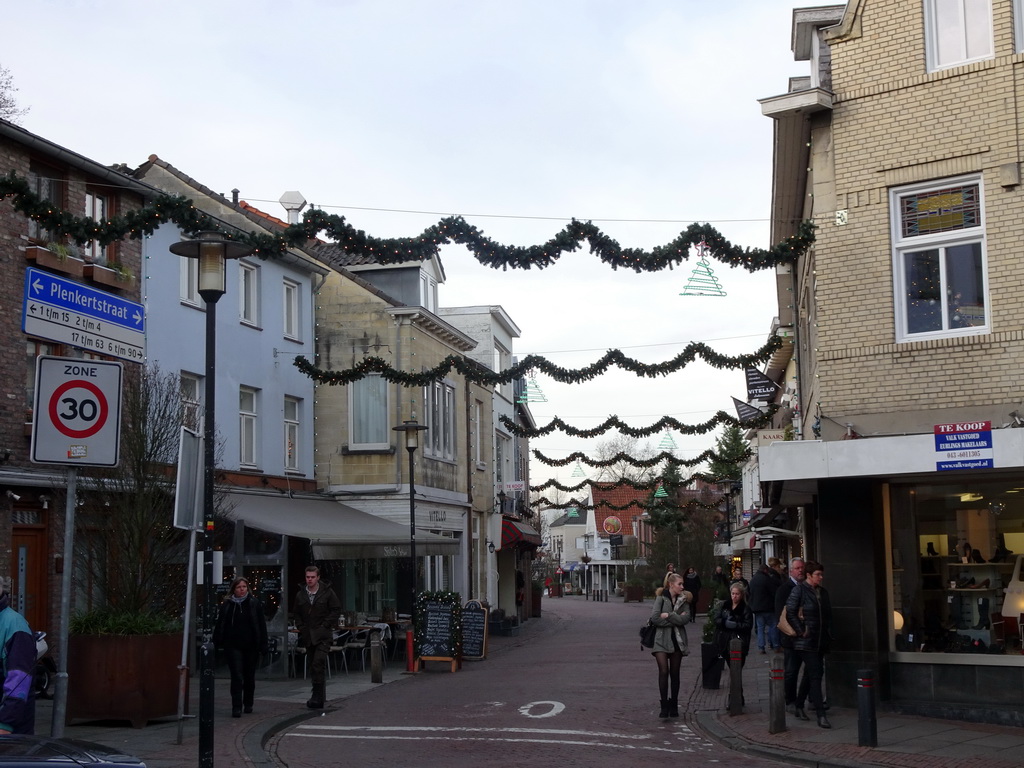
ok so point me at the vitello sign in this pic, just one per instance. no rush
(438, 515)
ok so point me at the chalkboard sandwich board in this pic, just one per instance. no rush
(439, 628)
(474, 631)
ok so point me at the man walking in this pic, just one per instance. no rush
(791, 660)
(317, 610)
(762, 603)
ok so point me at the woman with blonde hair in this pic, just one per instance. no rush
(670, 615)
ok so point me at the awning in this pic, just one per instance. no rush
(513, 533)
(336, 531)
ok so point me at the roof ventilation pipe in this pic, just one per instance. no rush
(293, 202)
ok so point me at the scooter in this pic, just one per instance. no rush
(46, 668)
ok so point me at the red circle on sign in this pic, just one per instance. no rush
(101, 419)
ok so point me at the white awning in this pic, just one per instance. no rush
(336, 531)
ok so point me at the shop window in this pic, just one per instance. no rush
(955, 547)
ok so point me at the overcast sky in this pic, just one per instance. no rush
(517, 115)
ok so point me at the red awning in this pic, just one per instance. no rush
(514, 533)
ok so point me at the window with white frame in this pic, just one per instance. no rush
(291, 309)
(957, 32)
(291, 433)
(191, 405)
(439, 400)
(502, 362)
(188, 280)
(249, 294)
(247, 426)
(95, 209)
(939, 266)
(428, 292)
(478, 433)
(368, 413)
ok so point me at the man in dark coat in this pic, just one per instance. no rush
(791, 661)
(317, 610)
(762, 603)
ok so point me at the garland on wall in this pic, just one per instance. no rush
(613, 422)
(665, 456)
(473, 372)
(179, 210)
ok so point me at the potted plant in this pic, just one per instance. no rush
(633, 590)
(57, 256)
(125, 642)
(113, 274)
(711, 661)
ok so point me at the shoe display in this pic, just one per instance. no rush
(982, 585)
(931, 550)
(976, 556)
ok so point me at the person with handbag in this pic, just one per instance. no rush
(670, 615)
(791, 661)
(241, 630)
(805, 614)
(734, 620)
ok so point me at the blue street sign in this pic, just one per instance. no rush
(73, 313)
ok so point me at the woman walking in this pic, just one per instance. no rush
(734, 620)
(241, 630)
(691, 583)
(805, 613)
(670, 614)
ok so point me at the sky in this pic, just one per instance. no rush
(640, 115)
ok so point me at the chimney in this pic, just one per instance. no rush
(293, 202)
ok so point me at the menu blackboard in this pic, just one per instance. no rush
(438, 640)
(474, 630)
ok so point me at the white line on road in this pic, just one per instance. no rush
(459, 729)
(566, 742)
(557, 708)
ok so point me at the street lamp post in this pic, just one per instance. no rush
(212, 250)
(412, 441)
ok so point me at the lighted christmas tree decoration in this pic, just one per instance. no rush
(661, 493)
(703, 281)
(532, 393)
(577, 471)
(667, 442)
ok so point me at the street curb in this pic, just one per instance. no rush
(711, 726)
(255, 741)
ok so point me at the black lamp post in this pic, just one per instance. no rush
(212, 250)
(412, 431)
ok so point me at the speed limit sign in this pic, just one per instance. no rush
(77, 414)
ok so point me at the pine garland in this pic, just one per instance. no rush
(613, 422)
(641, 505)
(665, 456)
(474, 373)
(144, 221)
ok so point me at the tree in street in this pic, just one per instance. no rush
(9, 109)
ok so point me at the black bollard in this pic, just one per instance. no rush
(867, 725)
(735, 676)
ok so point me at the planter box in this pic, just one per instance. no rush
(50, 260)
(632, 594)
(106, 276)
(115, 677)
(711, 666)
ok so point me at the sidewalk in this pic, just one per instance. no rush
(903, 741)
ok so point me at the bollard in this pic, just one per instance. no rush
(376, 670)
(735, 676)
(411, 664)
(867, 725)
(776, 695)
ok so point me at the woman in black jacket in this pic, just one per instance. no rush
(241, 630)
(734, 620)
(805, 613)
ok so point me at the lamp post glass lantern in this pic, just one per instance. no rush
(412, 430)
(212, 250)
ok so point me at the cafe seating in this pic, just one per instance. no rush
(359, 642)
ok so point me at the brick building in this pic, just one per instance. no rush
(905, 330)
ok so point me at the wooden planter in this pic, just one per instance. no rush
(106, 276)
(632, 594)
(123, 677)
(68, 265)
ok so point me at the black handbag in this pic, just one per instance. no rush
(647, 633)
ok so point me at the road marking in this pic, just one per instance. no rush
(557, 708)
(565, 742)
(459, 729)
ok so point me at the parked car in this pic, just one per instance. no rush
(17, 751)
